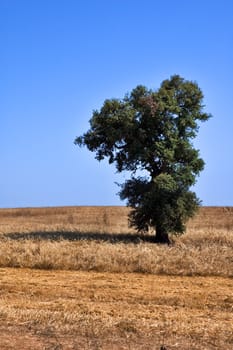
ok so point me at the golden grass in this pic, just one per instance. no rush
(84, 280)
(201, 254)
(60, 238)
(81, 219)
(98, 219)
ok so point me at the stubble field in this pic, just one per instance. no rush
(79, 278)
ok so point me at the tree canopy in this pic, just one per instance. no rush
(152, 131)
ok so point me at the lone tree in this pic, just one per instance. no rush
(150, 132)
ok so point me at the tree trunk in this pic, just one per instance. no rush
(161, 236)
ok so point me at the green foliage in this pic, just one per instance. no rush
(153, 131)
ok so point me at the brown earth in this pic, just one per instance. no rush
(85, 310)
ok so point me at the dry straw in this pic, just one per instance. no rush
(46, 306)
(63, 238)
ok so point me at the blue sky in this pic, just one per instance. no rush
(60, 59)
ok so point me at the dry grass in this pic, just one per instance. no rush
(55, 238)
(112, 220)
(202, 254)
(121, 291)
(78, 310)
(65, 219)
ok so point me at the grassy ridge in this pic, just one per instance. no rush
(98, 219)
(82, 219)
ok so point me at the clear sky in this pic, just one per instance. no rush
(60, 59)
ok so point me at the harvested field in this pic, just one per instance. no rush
(69, 219)
(98, 239)
(97, 219)
(190, 256)
(79, 310)
(79, 278)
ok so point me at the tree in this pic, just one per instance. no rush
(150, 132)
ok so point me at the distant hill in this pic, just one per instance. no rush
(111, 219)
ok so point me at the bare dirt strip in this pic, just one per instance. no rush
(42, 309)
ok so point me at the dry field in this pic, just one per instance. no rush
(79, 278)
